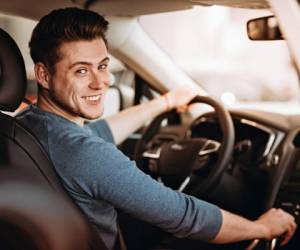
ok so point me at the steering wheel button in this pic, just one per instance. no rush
(287, 204)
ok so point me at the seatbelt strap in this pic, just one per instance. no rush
(120, 244)
(97, 243)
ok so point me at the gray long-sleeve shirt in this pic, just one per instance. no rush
(100, 178)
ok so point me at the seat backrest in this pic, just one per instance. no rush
(34, 207)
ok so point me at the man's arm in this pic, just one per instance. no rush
(110, 176)
(127, 121)
(272, 224)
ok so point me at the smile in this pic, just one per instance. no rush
(92, 97)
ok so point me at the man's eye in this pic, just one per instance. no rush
(81, 71)
(103, 66)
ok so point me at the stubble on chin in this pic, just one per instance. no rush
(88, 116)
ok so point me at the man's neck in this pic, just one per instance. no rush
(47, 104)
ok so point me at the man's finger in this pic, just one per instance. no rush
(289, 233)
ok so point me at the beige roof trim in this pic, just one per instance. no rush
(34, 9)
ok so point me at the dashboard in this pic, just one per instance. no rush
(253, 141)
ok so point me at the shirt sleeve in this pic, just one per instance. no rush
(104, 172)
(101, 128)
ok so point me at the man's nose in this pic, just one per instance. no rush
(99, 80)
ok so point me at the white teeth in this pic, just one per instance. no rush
(92, 98)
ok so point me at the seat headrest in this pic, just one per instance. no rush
(12, 74)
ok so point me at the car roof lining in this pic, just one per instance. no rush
(137, 7)
(118, 7)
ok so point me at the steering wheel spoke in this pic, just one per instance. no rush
(153, 154)
(210, 147)
(205, 157)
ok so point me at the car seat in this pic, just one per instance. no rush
(35, 210)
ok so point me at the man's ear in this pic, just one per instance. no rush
(42, 75)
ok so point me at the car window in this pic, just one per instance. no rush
(211, 45)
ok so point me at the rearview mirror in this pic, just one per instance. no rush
(264, 28)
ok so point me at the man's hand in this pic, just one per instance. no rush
(278, 223)
(180, 97)
(272, 224)
(127, 121)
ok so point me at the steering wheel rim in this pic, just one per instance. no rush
(224, 153)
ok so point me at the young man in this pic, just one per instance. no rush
(69, 49)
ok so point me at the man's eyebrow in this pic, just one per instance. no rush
(88, 63)
(105, 59)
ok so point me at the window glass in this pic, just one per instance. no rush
(211, 45)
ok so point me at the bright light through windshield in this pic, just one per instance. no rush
(211, 45)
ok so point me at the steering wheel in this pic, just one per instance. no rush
(184, 163)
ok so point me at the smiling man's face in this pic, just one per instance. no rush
(81, 79)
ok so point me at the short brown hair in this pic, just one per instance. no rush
(64, 25)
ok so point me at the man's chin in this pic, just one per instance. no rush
(91, 116)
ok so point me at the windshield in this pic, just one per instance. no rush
(211, 45)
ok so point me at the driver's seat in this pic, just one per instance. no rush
(35, 210)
